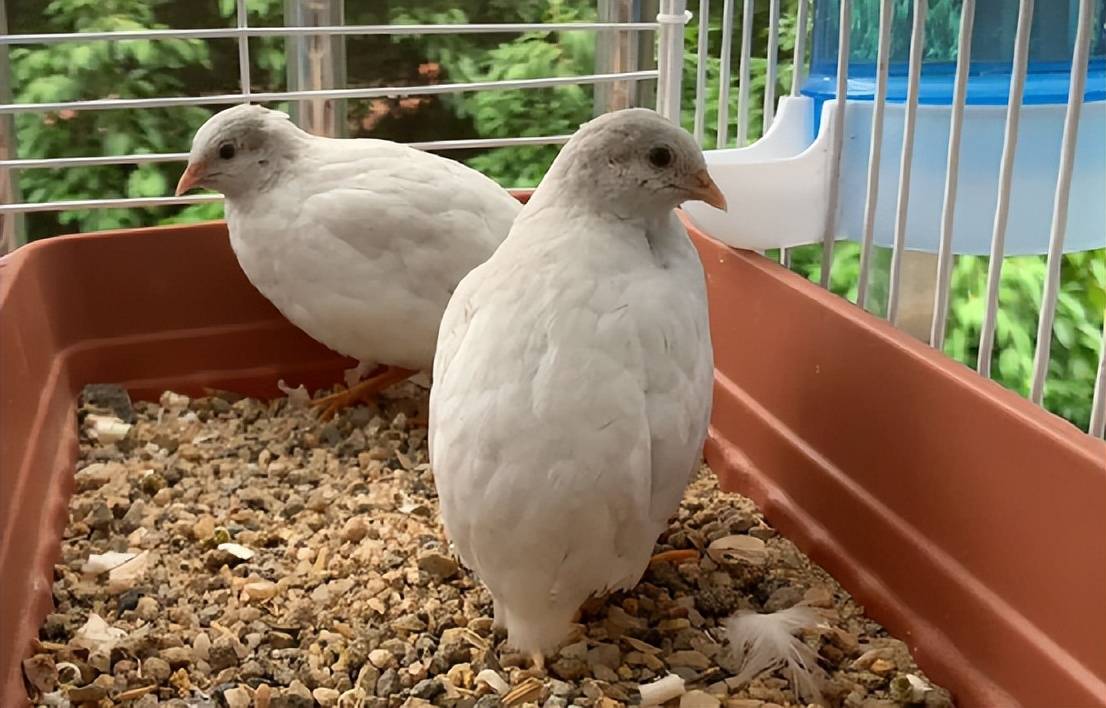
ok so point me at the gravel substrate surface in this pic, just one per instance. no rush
(337, 587)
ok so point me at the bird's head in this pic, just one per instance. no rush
(237, 149)
(637, 162)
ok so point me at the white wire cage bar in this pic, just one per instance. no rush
(771, 58)
(747, 7)
(902, 207)
(1006, 174)
(943, 285)
(350, 30)
(725, 60)
(883, 65)
(348, 93)
(702, 52)
(841, 94)
(1059, 226)
(668, 73)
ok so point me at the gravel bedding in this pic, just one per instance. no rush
(282, 561)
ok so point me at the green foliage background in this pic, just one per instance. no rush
(138, 69)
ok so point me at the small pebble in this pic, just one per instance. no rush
(41, 672)
(91, 693)
(381, 658)
(260, 590)
(355, 530)
(156, 669)
(698, 699)
(441, 567)
(692, 659)
(177, 656)
(237, 697)
(326, 697)
(147, 608)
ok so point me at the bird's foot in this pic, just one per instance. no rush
(353, 376)
(679, 556)
(364, 391)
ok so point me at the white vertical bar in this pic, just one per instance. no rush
(743, 70)
(797, 73)
(770, 76)
(952, 175)
(1060, 204)
(828, 237)
(724, 74)
(798, 65)
(1098, 405)
(917, 53)
(1006, 173)
(701, 71)
(243, 47)
(671, 65)
(875, 150)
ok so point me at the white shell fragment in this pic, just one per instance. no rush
(738, 549)
(96, 634)
(174, 401)
(909, 688)
(662, 690)
(494, 681)
(68, 673)
(298, 396)
(99, 563)
(236, 550)
(107, 429)
(124, 576)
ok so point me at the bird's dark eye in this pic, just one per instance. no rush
(660, 157)
(226, 151)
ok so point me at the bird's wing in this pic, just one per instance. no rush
(674, 329)
(433, 219)
(364, 243)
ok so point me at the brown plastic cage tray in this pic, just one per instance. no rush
(967, 521)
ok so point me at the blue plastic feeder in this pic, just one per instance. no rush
(778, 187)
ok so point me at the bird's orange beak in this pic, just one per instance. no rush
(707, 191)
(191, 177)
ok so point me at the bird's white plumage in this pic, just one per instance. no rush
(572, 391)
(361, 242)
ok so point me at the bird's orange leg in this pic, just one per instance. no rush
(364, 391)
(680, 556)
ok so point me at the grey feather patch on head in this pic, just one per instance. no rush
(631, 161)
(241, 149)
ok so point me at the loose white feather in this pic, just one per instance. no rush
(766, 642)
